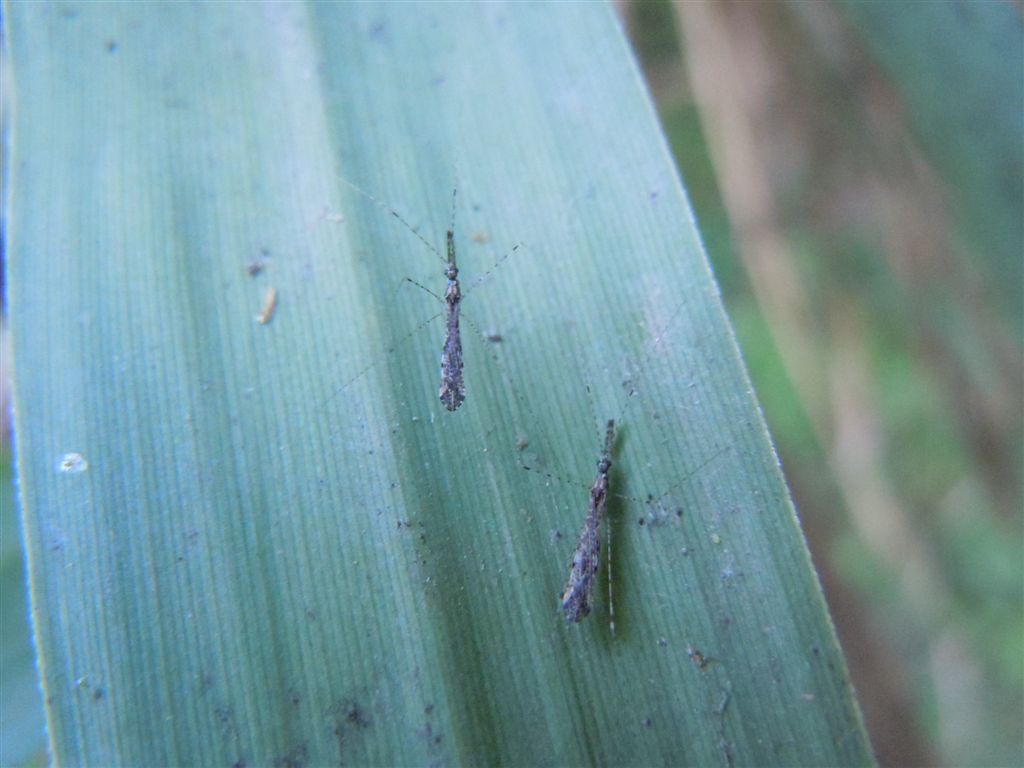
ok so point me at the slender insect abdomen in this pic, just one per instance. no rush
(587, 558)
(453, 387)
(585, 562)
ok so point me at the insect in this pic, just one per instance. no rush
(587, 557)
(578, 595)
(452, 392)
(269, 305)
(699, 659)
(453, 386)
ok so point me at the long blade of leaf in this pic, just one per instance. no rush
(241, 552)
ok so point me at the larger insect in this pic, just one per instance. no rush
(587, 557)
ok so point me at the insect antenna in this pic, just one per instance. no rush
(631, 395)
(388, 209)
(560, 476)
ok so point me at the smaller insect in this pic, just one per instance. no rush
(587, 558)
(269, 305)
(699, 659)
(453, 386)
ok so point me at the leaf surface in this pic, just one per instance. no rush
(269, 544)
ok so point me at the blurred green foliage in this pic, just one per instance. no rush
(957, 67)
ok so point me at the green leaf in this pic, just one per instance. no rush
(276, 547)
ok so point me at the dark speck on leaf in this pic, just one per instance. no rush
(355, 716)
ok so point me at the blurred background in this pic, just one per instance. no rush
(857, 172)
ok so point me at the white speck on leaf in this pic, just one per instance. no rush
(72, 464)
